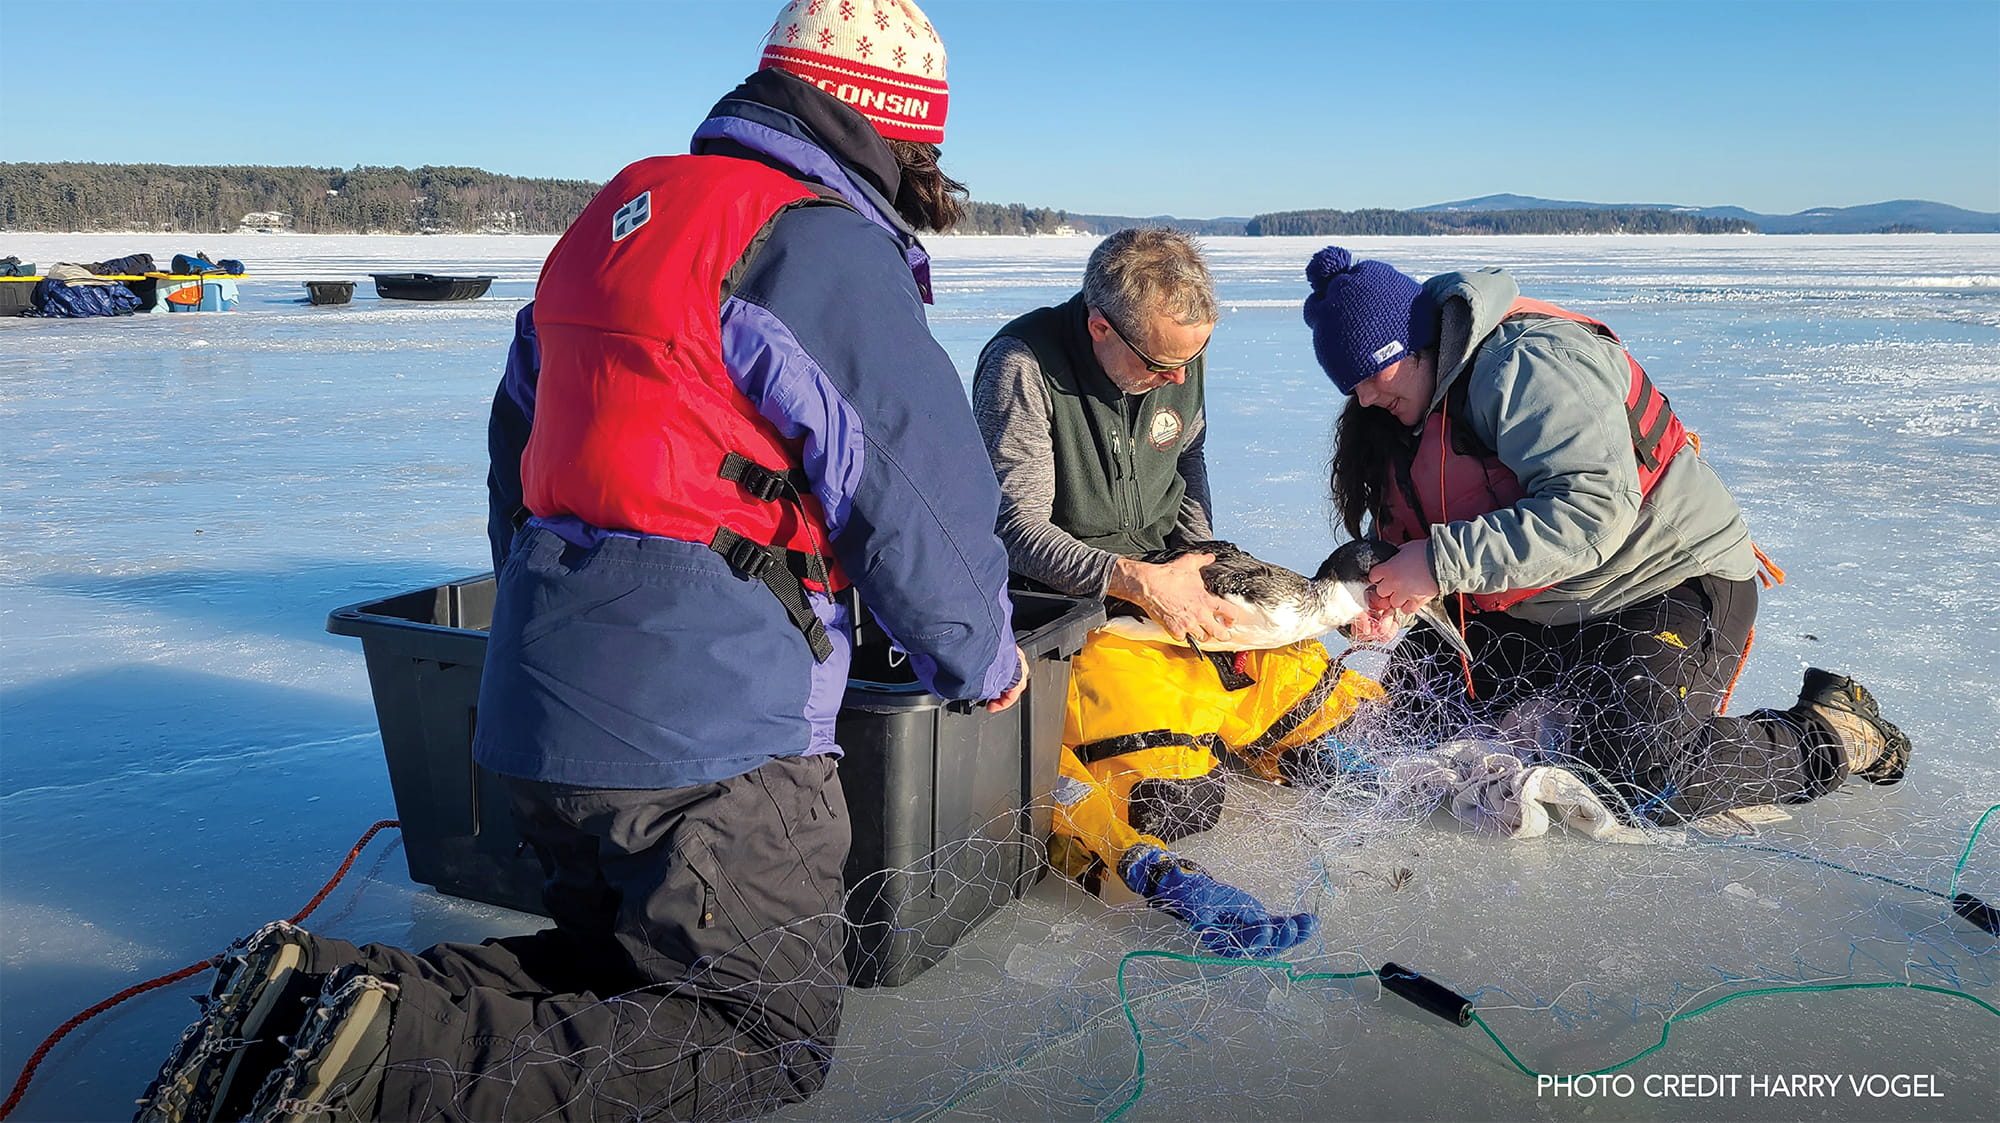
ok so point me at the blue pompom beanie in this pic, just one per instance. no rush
(1364, 316)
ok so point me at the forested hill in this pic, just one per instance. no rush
(1540, 221)
(200, 200)
(429, 200)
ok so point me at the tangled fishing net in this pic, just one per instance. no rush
(1566, 947)
(1809, 938)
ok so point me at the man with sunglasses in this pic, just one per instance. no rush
(1092, 414)
(1093, 417)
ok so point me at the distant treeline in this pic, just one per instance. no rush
(1009, 218)
(1550, 221)
(200, 200)
(1200, 227)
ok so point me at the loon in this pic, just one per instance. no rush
(1276, 606)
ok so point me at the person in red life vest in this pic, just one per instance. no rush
(1538, 481)
(722, 410)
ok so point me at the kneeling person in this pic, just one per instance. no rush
(1093, 415)
(668, 651)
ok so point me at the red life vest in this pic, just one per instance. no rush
(1454, 486)
(635, 413)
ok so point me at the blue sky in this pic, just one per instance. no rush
(1228, 107)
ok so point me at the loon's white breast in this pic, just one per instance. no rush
(1276, 606)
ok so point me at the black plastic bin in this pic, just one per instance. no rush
(424, 651)
(17, 296)
(429, 286)
(329, 292)
(948, 802)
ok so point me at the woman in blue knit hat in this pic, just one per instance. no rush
(1538, 481)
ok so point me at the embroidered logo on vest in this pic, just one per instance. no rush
(1166, 428)
(632, 216)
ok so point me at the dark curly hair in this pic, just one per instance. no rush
(927, 198)
(1372, 452)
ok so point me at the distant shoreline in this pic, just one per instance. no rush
(1011, 236)
(209, 200)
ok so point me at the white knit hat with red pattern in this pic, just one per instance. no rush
(880, 56)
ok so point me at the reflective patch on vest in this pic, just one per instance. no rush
(1672, 640)
(1166, 427)
(1388, 351)
(632, 216)
(1070, 791)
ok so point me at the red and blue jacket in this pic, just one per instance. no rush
(627, 650)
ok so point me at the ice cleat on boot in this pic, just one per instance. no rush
(334, 1073)
(260, 992)
(1877, 751)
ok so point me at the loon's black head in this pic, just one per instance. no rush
(1353, 560)
(1350, 564)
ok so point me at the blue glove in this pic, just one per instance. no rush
(1225, 919)
(1325, 762)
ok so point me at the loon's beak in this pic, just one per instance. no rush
(1431, 614)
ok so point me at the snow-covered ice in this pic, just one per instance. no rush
(184, 752)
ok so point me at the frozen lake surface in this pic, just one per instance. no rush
(184, 752)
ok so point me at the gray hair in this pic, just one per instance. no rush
(1145, 271)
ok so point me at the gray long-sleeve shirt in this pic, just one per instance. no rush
(1010, 400)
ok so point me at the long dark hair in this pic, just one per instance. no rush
(1372, 452)
(927, 198)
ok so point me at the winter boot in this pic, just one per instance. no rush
(1877, 751)
(334, 1074)
(261, 991)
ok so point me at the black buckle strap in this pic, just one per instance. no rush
(1109, 747)
(783, 571)
(763, 484)
(809, 567)
(1301, 710)
(768, 485)
(743, 555)
(772, 566)
(1224, 662)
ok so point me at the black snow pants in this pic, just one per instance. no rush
(695, 970)
(1648, 683)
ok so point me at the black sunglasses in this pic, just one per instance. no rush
(1154, 366)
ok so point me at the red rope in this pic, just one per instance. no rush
(1767, 570)
(1742, 661)
(1444, 492)
(1768, 573)
(352, 854)
(192, 969)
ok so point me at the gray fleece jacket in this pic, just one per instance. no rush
(1548, 396)
(1010, 400)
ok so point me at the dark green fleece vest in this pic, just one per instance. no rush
(1118, 484)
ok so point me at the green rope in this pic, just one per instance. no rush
(1967, 856)
(1666, 1028)
(1290, 970)
(993, 1076)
